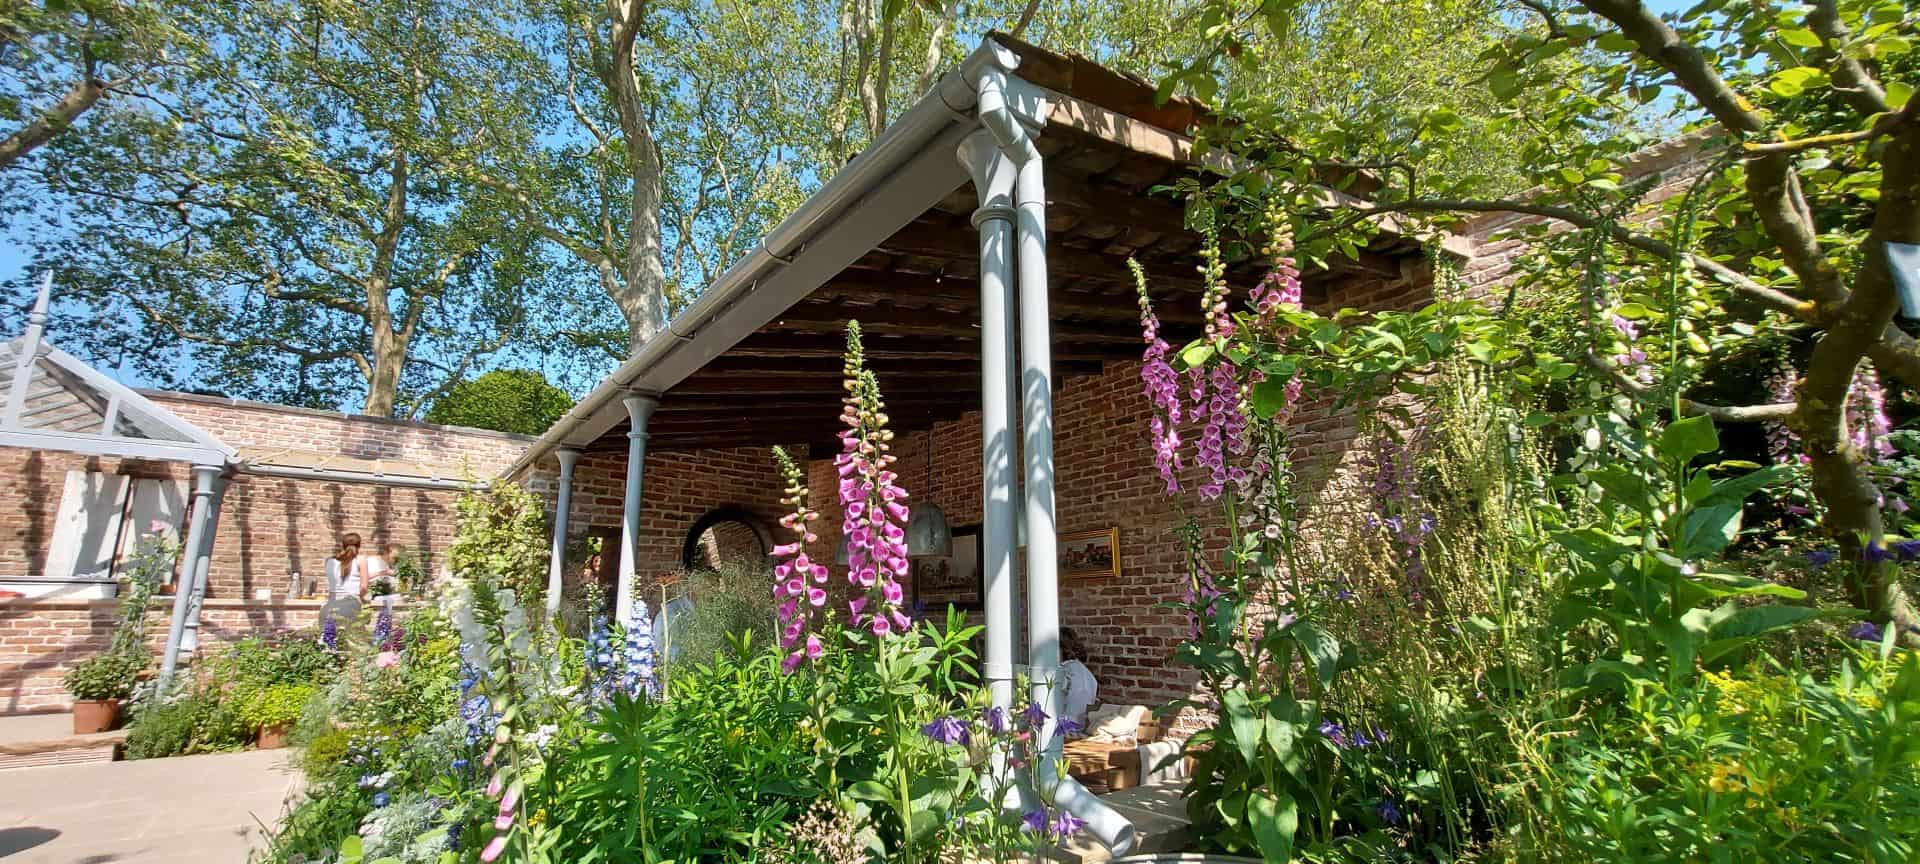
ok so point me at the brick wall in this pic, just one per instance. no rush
(269, 527)
(40, 640)
(680, 486)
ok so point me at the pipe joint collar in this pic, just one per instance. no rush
(989, 212)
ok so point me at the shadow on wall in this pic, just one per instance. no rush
(14, 680)
(37, 536)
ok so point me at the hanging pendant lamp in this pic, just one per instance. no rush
(928, 534)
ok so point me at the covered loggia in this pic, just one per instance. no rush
(982, 243)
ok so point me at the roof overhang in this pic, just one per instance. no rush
(888, 241)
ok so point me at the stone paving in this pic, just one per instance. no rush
(153, 811)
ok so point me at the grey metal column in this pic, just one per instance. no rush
(639, 408)
(993, 179)
(199, 527)
(562, 508)
(190, 640)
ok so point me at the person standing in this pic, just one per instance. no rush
(346, 570)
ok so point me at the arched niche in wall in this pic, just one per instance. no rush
(726, 535)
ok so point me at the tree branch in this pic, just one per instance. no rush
(53, 121)
(1856, 86)
(1771, 298)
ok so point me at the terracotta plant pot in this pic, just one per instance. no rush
(274, 737)
(95, 715)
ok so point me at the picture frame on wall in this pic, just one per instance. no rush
(1090, 554)
(951, 580)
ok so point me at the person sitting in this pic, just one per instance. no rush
(1082, 689)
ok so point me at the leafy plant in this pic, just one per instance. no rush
(197, 722)
(276, 705)
(108, 676)
(502, 535)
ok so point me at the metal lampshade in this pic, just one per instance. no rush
(928, 533)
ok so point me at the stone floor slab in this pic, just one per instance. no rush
(190, 808)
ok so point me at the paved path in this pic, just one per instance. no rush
(153, 811)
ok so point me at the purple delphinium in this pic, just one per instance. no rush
(799, 585)
(1783, 444)
(873, 506)
(1162, 386)
(329, 634)
(1867, 422)
(948, 730)
(1867, 631)
(383, 626)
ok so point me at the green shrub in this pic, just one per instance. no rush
(275, 705)
(735, 600)
(196, 723)
(1746, 765)
(108, 676)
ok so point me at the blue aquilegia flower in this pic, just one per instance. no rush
(1035, 821)
(1035, 715)
(997, 720)
(1069, 726)
(948, 730)
(1389, 812)
(1867, 631)
(1908, 549)
(1067, 825)
(1335, 733)
(1819, 558)
(1874, 553)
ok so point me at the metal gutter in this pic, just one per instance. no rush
(949, 103)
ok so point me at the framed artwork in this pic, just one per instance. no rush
(1090, 554)
(952, 580)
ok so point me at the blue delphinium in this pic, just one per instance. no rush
(948, 730)
(382, 626)
(1867, 631)
(329, 634)
(380, 799)
(623, 663)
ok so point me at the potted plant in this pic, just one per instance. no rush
(272, 710)
(98, 685)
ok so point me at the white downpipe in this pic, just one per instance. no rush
(993, 178)
(1104, 824)
(562, 509)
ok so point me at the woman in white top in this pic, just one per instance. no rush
(348, 564)
(1082, 689)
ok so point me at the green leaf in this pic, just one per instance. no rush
(869, 790)
(1709, 530)
(1615, 41)
(1268, 397)
(1800, 37)
(1274, 819)
(1689, 437)
(1899, 92)
(1244, 724)
(1736, 490)
(1197, 354)
(1321, 648)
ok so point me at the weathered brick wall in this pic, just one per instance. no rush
(680, 486)
(41, 639)
(270, 527)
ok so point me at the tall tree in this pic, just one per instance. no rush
(60, 59)
(288, 214)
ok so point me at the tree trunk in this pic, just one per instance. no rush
(389, 349)
(641, 291)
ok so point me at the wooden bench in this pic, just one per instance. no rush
(1109, 766)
